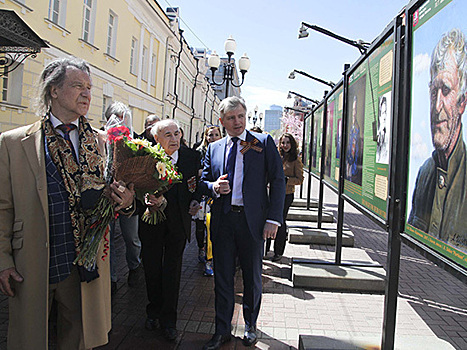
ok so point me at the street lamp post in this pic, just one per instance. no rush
(289, 95)
(328, 83)
(359, 44)
(255, 117)
(229, 67)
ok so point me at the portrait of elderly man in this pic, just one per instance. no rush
(51, 172)
(439, 198)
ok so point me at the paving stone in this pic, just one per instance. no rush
(432, 305)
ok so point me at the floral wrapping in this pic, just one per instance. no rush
(147, 167)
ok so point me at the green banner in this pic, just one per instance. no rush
(306, 142)
(333, 138)
(437, 166)
(317, 141)
(368, 132)
(426, 11)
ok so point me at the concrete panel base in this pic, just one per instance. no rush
(301, 203)
(344, 278)
(300, 235)
(307, 224)
(370, 341)
(308, 215)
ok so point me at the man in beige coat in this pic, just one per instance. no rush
(32, 270)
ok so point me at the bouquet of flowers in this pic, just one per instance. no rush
(131, 161)
(147, 167)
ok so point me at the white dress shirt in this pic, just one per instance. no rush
(174, 157)
(237, 192)
(236, 187)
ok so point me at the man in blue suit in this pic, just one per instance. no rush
(237, 173)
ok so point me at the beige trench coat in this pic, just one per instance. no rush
(24, 244)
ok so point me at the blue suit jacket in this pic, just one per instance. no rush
(260, 169)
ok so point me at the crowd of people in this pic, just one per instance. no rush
(235, 192)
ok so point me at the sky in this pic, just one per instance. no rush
(268, 32)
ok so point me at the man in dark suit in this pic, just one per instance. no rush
(163, 243)
(238, 170)
(148, 124)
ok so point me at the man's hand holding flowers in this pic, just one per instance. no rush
(155, 203)
(123, 196)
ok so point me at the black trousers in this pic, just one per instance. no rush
(281, 236)
(200, 232)
(162, 253)
(234, 239)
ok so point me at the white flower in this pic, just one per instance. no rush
(161, 169)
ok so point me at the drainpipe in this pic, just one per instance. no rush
(165, 87)
(205, 101)
(176, 73)
(213, 101)
(193, 99)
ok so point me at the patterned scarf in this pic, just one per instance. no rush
(80, 179)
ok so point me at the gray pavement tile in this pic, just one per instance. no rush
(432, 303)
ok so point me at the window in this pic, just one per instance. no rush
(54, 10)
(144, 58)
(170, 81)
(11, 86)
(105, 103)
(153, 69)
(134, 56)
(88, 20)
(57, 12)
(112, 34)
(5, 86)
(182, 97)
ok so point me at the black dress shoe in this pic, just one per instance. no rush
(250, 336)
(169, 333)
(151, 324)
(216, 341)
(276, 257)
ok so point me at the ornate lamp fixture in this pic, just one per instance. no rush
(229, 67)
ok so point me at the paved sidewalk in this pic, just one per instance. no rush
(432, 304)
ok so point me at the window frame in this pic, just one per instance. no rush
(134, 56)
(57, 8)
(153, 69)
(11, 89)
(111, 44)
(144, 63)
(91, 20)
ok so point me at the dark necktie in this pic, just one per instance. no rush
(66, 129)
(230, 169)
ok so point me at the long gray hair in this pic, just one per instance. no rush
(54, 75)
(455, 40)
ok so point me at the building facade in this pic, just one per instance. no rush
(272, 118)
(137, 56)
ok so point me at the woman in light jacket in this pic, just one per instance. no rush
(293, 171)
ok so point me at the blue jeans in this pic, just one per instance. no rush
(129, 228)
